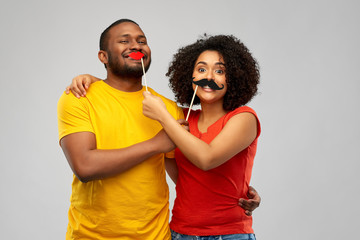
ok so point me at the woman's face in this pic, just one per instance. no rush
(210, 65)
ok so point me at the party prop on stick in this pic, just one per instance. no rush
(136, 55)
(139, 56)
(202, 83)
(192, 100)
(208, 82)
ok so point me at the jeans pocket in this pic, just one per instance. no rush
(238, 237)
(174, 235)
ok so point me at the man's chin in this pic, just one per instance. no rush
(129, 74)
(135, 72)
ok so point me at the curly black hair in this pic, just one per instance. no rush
(242, 70)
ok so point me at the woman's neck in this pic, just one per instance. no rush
(210, 113)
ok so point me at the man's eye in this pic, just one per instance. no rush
(124, 41)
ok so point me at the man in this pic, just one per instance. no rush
(119, 190)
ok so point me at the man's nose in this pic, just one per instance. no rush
(134, 45)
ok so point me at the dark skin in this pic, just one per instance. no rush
(252, 203)
(89, 163)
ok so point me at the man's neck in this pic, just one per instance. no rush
(124, 84)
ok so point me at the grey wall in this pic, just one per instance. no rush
(306, 165)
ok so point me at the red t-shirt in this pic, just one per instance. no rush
(207, 201)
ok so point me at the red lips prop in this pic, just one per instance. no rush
(136, 55)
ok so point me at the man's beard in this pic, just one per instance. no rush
(125, 70)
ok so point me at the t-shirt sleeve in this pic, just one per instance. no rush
(180, 113)
(73, 115)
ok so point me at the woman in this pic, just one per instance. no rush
(215, 157)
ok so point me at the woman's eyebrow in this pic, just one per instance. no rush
(201, 62)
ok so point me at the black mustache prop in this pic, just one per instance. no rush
(205, 82)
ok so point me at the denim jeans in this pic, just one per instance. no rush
(178, 236)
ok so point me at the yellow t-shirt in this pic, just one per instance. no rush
(133, 204)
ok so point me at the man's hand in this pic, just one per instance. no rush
(184, 124)
(162, 142)
(252, 203)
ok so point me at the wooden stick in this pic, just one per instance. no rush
(192, 100)
(142, 63)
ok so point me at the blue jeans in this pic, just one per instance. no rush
(178, 236)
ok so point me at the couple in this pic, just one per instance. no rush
(117, 135)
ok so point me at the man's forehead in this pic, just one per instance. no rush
(127, 29)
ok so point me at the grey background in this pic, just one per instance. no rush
(307, 161)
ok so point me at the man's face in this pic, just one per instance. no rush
(124, 39)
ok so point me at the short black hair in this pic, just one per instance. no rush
(105, 36)
(242, 70)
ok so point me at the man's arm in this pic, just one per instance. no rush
(89, 163)
(171, 169)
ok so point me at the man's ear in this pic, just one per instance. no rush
(103, 56)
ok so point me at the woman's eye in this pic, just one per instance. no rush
(220, 71)
(202, 70)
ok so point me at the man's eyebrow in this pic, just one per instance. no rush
(128, 35)
(124, 35)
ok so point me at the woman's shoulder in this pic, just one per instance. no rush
(241, 109)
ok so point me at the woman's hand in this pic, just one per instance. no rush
(153, 106)
(80, 84)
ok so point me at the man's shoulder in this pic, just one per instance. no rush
(67, 98)
(68, 102)
(93, 89)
